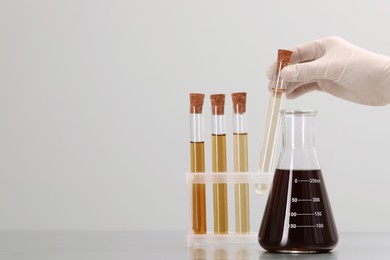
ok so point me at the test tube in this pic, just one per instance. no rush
(197, 162)
(276, 101)
(219, 162)
(240, 145)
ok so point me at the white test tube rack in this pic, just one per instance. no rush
(225, 178)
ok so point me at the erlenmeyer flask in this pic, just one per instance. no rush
(298, 217)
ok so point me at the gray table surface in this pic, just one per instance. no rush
(166, 245)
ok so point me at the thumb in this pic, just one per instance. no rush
(304, 72)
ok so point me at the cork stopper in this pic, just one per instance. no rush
(196, 103)
(218, 104)
(239, 102)
(284, 58)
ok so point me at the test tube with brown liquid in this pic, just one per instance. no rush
(219, 162)
(197, 162)
(240, 146)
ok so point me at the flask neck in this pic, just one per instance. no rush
(298, 141)
(298, 131)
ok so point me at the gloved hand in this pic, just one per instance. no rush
(336, 66)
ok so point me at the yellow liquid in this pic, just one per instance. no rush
(220, 190)
(241, 191)
(198, 190)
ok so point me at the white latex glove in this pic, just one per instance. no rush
(336, 66)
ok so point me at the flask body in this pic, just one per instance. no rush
(298, 217)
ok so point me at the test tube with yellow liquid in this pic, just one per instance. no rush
(276, 101)
(219, 162)
(240, 146)
(197, 162)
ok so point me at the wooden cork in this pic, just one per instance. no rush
(239, 102)
(284, 58)
(196, 103)
(218, 104)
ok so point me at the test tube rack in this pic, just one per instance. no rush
(210, 178)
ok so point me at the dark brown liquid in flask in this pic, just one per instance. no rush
(298, 217)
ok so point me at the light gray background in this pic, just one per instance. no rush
(94, 129)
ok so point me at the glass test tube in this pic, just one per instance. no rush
(276, 101)
(240, 145)
(219, 162)
(197, 162)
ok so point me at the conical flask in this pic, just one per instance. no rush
(298, 217)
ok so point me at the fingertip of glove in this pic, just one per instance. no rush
(292, 95)
(289, 73)
(271, 85)
(271, 72)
